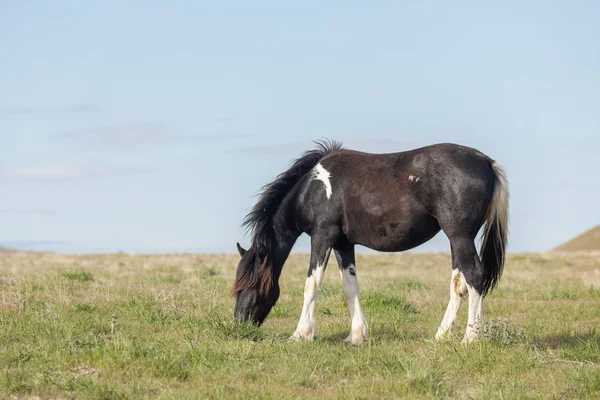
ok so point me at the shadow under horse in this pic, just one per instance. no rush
(386, 202)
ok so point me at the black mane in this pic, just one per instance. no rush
(259, 220)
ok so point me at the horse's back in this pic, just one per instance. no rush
(425, 174)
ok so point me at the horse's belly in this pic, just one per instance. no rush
(391, 236)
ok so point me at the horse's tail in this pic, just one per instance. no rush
(495, 233)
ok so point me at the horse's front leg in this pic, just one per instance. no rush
(320, 251)
(359, 329)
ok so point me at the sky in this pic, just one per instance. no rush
(150, 126)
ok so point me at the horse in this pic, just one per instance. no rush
(386, 202)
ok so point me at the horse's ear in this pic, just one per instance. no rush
(241, 250)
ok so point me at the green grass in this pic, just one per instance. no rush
(119, 326)
(81, 276)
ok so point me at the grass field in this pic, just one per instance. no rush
(120, 326)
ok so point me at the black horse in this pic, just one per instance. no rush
(386, 202)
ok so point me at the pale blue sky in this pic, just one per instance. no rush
(149, 126)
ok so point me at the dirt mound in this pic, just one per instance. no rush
(587, 241)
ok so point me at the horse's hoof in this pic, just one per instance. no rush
(356, 340)
(300, 337)
(293, 338)
(468, 339)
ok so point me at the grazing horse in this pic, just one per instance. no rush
(387, 202)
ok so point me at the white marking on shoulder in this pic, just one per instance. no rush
(321, 174)
(412, 178)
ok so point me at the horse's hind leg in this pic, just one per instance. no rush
(458, 289)
(359, 330)
(319, 256)
(466, 260)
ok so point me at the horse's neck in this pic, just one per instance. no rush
(284, 239)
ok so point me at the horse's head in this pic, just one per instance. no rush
(255, 287)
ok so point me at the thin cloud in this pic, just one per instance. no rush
(119, 136)
(138, 135)
(361, 144)
(225, 119)
(33, 211)
(66, 173)
(43, 173)
(74, 109)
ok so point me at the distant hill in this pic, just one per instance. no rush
(13, 250)
(587, 241)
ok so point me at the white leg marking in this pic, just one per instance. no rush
(360, 331)
(458, 289)
(312, 288)
(475, 322)
(321, 174)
